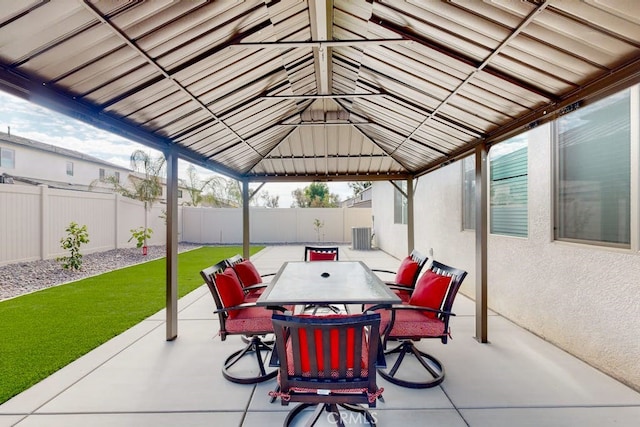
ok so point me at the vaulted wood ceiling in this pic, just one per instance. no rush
(299, 90)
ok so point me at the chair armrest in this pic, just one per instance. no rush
(254, 287)
(420, 308)
(268, 274)
(235, 307)
(397, 287)
(249, 305)
(378, 307)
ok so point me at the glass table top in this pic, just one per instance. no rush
(326, 282)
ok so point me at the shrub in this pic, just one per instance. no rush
(76, 236)
(140, 234)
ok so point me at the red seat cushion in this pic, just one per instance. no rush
(430, 291)
(321, 256)
(415, 324)
(230, 290)
(406, 272)
(250, 320)
(247, 273)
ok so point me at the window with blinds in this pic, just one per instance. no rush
(509, 212)
(593, 171)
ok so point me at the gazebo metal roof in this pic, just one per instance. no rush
(306, 90)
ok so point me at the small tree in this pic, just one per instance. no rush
(141, 235)
(317, 225)
(76, 236)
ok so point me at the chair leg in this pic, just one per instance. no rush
(269, 342)
(432, 365)
(257, 347)
(301, 407)
(333, 410)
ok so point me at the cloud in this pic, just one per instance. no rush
(40, 124)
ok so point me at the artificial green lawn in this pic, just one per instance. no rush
(46, 330)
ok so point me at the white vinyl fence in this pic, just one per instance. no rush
(272, 226)
(34, 219)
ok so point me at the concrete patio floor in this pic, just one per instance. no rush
(139, 379)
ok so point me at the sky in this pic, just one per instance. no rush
(31, 121)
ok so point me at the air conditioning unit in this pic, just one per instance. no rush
(361, 238)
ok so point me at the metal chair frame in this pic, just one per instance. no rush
(327, 387)
(254, 339)
(406, 342)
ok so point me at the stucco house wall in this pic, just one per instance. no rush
(41, 161)
(583, 298)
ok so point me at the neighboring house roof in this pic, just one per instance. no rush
(362, 200)
(54, 184)
(72, 154)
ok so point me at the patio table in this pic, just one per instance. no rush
(326, 282)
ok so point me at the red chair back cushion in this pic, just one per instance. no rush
(335, 356)
(406, 272)
(230, 290)
(305, 362)
(322, 256)
(247, 273)
(430, 291)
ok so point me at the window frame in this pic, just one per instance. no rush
(398, 197)
(13, 157)
(634, 141)
(512, 183)
(69, 168)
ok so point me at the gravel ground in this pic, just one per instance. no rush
(26, 277)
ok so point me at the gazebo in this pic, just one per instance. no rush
(319, 90)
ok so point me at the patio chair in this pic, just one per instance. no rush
(251, 280)
(321, 253)
(328, 361)
(426, 315)
(237, 316)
